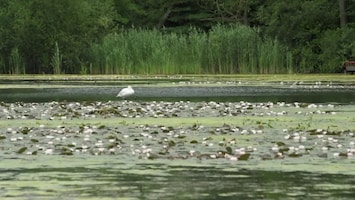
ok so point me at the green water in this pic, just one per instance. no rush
(116, 177)
(123, 175)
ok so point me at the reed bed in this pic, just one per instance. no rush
(56, 60)
(16, 63)
(224, 49)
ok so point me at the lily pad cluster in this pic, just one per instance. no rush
(148, 141)
(247, 141)
(162, 109)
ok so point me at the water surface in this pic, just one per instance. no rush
(121, 178)
(184, 93)
(127, 176)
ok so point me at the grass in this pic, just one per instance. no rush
(262, 79)
(224, 49)
(17, 65)
(56, 60)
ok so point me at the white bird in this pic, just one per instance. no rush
(126, 92)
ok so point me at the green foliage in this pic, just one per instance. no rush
(336, 46)
(84, 70)
(230, 11)
(235, 49)
(224, 49)
(145, 51)
(177, 36)
(34, 26)
(301, 25)
(11, 23)
(16, 62)
(56, 60)
(173, 15)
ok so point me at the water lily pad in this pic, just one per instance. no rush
(280, 144)
(244, 156)
(181, 136)
(25, 130)
(294, 155)
(229, 150)
(171, 143)
(66, 151)
(34, 140)
(154, 133)
(21, 150)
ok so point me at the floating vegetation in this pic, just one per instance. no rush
(239, 131)
(21, 150)
(165, 143)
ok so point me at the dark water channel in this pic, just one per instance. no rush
(183, 93)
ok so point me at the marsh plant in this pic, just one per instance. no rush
(17, 65)
(224, 49)
(56, 61)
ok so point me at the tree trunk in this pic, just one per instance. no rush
(342, 13)
(164, 17)
(245, 16)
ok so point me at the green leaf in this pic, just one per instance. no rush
(229, 150)
(21, 150)
(34, 140)
(244, 156)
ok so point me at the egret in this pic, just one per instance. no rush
(126, 92)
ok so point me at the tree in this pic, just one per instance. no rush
(342, 13)
(35, 26)
(12, 21)
(181, 15)
(136, 13)
(175, 15)
(300, 25)
(228, 11)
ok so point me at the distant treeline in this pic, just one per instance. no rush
(175, 37)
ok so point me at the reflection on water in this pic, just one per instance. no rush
(228, 93)
(138, 180)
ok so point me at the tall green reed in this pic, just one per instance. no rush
(16, 63)
(56, 61)
(224, 49)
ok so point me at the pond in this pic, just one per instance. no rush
(184, 93)
(180, 141)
